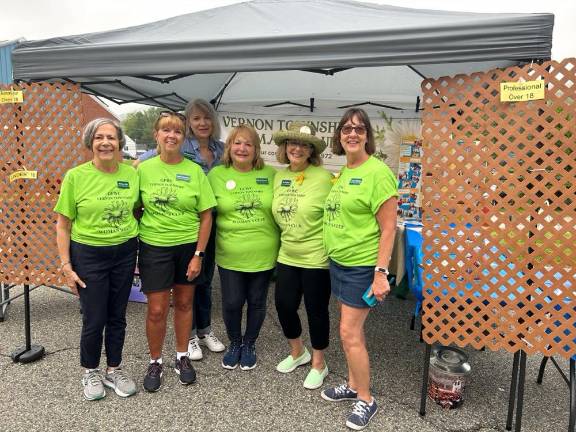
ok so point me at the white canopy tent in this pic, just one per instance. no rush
(321, 54)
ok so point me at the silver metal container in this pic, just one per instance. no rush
(449, 369)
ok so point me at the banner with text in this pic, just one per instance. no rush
(266, 125)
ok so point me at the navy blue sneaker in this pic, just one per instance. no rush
(362, 413)
(232, 356)
(185, 370)
(339, 393)
(248, 356)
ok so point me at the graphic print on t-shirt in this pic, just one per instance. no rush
(164, 198)
(332, 207)
(247, 204)
(116, 213)
(288, 208)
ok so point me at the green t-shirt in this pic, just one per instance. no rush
(100, 205)
(247, 237)
(173, 196)
(298, 207)
(351, 231)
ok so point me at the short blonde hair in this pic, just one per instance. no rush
(252, 135)
(282, 156)
(170, 119)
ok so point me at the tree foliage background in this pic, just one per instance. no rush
(140, 124)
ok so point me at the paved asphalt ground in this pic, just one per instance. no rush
(47, 395)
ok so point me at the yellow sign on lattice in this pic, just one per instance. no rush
(521, 91)
(11, 96)
(23, 175)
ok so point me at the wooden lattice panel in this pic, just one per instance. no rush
(499, 212)
(41, 134)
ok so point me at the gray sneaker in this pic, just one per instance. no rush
(93, 387)
(121, 383)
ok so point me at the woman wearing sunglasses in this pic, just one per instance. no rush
(174, 231)
(302, 271)
(359, 227)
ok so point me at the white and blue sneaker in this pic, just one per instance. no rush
(362, 413)
(339, 393)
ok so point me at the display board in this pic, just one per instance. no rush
(40, 139)
(499, 210)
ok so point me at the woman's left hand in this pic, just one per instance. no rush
(380, 286)
(194, 268)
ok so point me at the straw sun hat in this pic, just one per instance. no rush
(300, 131)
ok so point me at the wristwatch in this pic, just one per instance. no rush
(199, 254)
(381, 270)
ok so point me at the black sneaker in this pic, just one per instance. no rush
(153, 377)
(232, 356)
(184, 368)
(248, 356)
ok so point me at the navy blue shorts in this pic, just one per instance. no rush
(349, 283)
(161, 267)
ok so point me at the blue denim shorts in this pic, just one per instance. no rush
(349, 283)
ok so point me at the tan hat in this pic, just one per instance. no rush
(300, 131)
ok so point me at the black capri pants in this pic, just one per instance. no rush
(314, 284)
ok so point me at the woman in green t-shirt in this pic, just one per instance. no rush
(96, 237)
(246, 241)
(174, 231)
(302, 271)
(359, 226)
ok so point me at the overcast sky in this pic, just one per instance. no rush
(40, 19)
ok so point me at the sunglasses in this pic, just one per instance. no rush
(300, 144)
(173, 114)
(360, 130)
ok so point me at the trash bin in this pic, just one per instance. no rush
(449, 369)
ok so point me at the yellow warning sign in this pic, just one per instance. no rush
(11, 96)
(522, 91)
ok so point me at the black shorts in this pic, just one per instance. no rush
(161, 267)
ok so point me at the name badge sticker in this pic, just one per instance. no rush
(261, 180)
(183, 177)
(355, 181)
(286, 182)
(123, 184)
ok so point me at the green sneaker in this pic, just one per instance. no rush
(315, 378)
(290, 363)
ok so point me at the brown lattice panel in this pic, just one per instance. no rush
(42, 134)
(499, 212)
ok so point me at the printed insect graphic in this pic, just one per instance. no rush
(332, 207)
(164, 198)
(247, 205)
(287, 209)
(116, 213)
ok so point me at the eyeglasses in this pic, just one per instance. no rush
(347, 130)
(300, 144)
(173, 114)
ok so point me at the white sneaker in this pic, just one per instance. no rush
(194, 350)
(212, 342)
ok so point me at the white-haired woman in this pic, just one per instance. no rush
(96, 236)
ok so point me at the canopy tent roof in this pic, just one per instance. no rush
(263, 52)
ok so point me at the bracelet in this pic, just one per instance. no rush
(62, 266)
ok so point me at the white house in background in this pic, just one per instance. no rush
(130, 147)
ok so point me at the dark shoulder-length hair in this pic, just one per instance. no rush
(363, 118)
